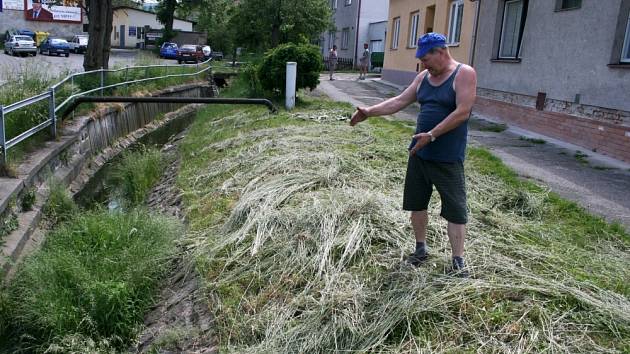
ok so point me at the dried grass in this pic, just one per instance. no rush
(310, 258)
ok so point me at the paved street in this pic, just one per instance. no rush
(598, 183)
(57, 65)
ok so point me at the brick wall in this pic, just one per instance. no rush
(603, 137)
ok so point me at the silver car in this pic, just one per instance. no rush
(22, 45)
(79, 43)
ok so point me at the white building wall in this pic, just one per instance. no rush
(130, 17)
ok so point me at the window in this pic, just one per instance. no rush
(395, 32)
(376, 46)
(345, 34)
(348, 2)
(455, 21)
(413, 29)
(568, 4)
(625, 54)
(331, 39)
(511, 30)
(333, 4)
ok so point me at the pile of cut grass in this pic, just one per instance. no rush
(300, 238)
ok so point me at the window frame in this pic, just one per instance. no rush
(521, 28)
(332, 36)
(454, 21)
(345, 38)
(395, 32)
(626, 44)
(347, 2)
(414, 19)
(333, 4)
(560, 8)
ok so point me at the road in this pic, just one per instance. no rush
(54, 66)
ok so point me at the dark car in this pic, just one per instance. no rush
(56, 46)
(189, 52)
(168, 50)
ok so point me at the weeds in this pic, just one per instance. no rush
(91, 283)
(493, 127)
(532, 140)
(134, 176)
(59, 207)
(581, 157)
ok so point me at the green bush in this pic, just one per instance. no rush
(94, 278)
(272, 70)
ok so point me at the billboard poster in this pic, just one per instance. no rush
(42, 10)
(12, 4)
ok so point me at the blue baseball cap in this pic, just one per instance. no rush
(429, 41)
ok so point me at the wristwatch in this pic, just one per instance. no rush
(431, 135)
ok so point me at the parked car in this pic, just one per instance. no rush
(189, 52)
(207, 52)
(78, 43)
(217, 55)
(22, 45)
(56, 46)
(168, 50)
(18, 32)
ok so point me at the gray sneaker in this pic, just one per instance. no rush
(458, 268)
(416, 259)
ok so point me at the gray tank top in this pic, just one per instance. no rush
(436, 103)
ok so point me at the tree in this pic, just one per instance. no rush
(166, 16)
(213, 17)
(265, 24)
(166, 10)
(100, 16)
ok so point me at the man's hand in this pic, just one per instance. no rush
(359, 116)
(422, 140)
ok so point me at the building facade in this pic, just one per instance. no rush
(129, 26)
(352, 19)
(558, 67)
(409, 19)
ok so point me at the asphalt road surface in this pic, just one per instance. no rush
(54, 66)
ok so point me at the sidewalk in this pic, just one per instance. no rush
(598, 183)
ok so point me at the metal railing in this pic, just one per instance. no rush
(73, 79)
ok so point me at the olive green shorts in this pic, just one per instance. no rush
(447, 177)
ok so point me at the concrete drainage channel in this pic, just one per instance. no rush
(85, 145)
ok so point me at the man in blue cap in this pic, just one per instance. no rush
(446, 91)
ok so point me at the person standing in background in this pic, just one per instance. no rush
(332, 61)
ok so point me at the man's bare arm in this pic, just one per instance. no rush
(391, 105)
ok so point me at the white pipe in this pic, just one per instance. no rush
(290, 86)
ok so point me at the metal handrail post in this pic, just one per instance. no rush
(3, 160)
(72, 90)
(51, 114)
(102, 80)
(126, 83)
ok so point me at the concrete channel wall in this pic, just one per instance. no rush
(84, 145)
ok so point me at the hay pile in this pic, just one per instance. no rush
(310, 257)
